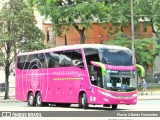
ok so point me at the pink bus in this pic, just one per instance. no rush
(78, 74)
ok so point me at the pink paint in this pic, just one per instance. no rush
(65, 84)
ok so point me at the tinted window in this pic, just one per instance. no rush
(117, 57)
(21, 62)
(77, 59)
(26, 62)
(51, 60)
(32, 61)
(65, 59)
(91, 55)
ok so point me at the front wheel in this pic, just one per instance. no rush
(83, 101)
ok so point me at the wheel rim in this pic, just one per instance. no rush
(31, 99)
(38, 99)
(83, 101)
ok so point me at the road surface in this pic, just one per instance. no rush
(142, 105)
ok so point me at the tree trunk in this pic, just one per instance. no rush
(7, 68)
(82, 38)
(122, 28)
(65, 39)
(81, 33)
(153, 29)
(7, 81)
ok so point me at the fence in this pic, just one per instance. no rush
(152, 88)
(11, 93)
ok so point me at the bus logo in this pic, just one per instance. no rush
(34, 79)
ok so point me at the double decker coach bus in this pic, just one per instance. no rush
(77, 74)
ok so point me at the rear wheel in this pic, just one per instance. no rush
(39, 100)
(83, 101)
(31, 99)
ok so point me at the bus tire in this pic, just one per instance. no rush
(39, 100)
(114, 106)
(83, 101)
(31, 99)
(80, 100)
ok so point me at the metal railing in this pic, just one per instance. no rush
(152, 89)
(11, 94)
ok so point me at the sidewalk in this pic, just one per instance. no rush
(149, 96)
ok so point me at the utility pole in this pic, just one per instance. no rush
(132, 33)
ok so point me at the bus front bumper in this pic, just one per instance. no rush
(127, 99)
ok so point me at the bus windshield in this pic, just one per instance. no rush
(120, 80)
(117, 57)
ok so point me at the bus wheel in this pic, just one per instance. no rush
(83, 101)
(31, 99)
(114, 107)
(39, 100)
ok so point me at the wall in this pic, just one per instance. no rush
(96, 33)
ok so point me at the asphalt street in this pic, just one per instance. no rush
(142, 105)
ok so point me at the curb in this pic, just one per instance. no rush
(8, 100)
(148, 98)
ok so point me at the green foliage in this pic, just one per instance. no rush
(17, 32)
(72, 12)
(146, 49)
(156, 17)
(146, 10)
(17, 24)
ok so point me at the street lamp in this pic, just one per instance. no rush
(132, 33)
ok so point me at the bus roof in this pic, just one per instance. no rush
(76, 46)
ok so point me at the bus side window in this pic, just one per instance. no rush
(65, 58)
(91, 55)
(50, 63)
(52, 59)
(93, 74)
(22, 62)
(77, 59)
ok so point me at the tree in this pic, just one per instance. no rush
(17, 32)
(119, 15)
(156, 19)
(146, 49)
(145, 10)
(78, 13)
